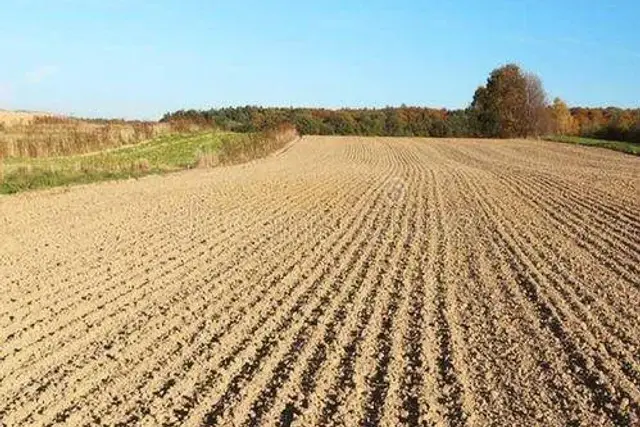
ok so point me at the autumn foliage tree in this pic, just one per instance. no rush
(512, 104)
(562, 121)
(538, 120)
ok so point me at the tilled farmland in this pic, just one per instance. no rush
(342, 281)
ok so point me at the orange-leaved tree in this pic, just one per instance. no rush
(512, 104)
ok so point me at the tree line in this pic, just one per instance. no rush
(513, 103)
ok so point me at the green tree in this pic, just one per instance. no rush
(394, 124)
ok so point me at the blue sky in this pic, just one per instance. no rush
(139, 59)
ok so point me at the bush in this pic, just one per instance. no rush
(252, 146)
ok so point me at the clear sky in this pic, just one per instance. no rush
(139, 59)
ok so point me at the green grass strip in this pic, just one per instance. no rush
(624, 147)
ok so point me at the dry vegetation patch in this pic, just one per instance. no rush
(158, 148)
(47, 136)
(10, 118)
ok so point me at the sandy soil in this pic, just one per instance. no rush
(345, 281)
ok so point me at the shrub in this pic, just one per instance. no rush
(255, 145)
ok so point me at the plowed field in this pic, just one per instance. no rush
(343, 281)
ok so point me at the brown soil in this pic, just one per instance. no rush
(345, 281)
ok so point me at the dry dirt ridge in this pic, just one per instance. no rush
(346, 281)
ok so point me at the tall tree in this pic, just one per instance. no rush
(485, 120)
(537, 121)
(512, 104)
(561, 117)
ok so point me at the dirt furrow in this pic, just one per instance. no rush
(581, 296)
(326, 392)
(182, 262)
(319, 272)
(451, 396)
(401, 404)
(172, 259)
(612, 400)
(626, 229)
(286, 408)
(303, 378)
(233, 305)
(343, 281)
(122, 336)
(596, 239)
(566, 255)
(417, 332)
(319, 291)
(612, 311)
(500, 330)
(591, 182)
(383, 354)
(239, 213)
(564, 260)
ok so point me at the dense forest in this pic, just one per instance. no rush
(512, 104)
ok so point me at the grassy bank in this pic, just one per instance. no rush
(255, 145)
(159, 155)
(625, 147)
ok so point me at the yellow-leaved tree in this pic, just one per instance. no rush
(563, 123)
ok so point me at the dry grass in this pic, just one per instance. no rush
(248, 147)
(12, 118)
(51, 136)
(207, 160)
(38, 151)
(47, 137)
(256, 145)
(159, 155)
